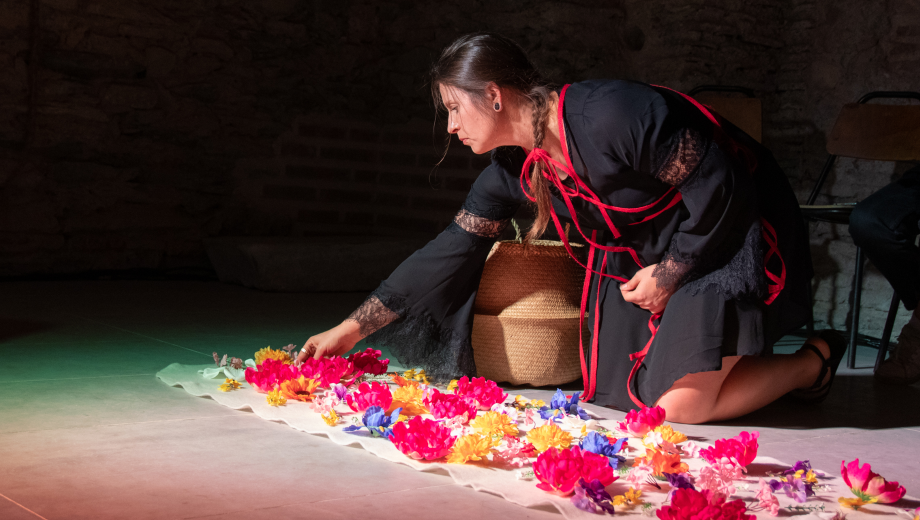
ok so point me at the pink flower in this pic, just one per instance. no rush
(516, 453)
(689, 504)
(329, 371)
(268, 375)
(422, 438)
(484, 392)
(866, 484)
(718, 477)
(640, 422)
(766, 500)
(369, 361)
(639, 474)
(741, 449)
(367, 395)
(559, 470)
(448, 406)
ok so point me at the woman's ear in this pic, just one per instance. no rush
(494, 95)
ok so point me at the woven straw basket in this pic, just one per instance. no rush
(525, 322)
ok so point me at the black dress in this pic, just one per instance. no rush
(630, 143)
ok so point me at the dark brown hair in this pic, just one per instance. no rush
(474, 61)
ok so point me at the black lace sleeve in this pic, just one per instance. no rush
(423, 312)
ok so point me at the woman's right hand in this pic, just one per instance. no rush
(335, 341)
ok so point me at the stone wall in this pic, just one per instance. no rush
(132, 129)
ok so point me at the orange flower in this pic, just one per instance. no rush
(268, 353)
(662, 462)
(402, 381)
(409, 398)
(300, 389)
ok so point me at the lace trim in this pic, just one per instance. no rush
(372, 315)
(678, 163)
(481, 226)
(670, 273)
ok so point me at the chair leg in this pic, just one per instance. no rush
(857, 297)
(886, 333)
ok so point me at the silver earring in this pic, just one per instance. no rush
(497, 107)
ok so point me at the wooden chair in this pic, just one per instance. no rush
(874, 132)
(744, 112)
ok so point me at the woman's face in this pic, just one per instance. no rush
(474, 125)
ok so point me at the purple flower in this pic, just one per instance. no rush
(679, 480)
(592, 497)
(566, 406)
(794, 487)
(340, 391)
(377, 422)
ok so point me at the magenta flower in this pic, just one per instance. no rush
(422, 439)
(741, 449)
(269, 374)
(448, 406)
(483, 391)
(369, 361)
(559, 470)
(640, 422)
(866, 484)
(367, 395)
(689, 504)
(329, 371)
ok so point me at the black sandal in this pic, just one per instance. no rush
(838, 346)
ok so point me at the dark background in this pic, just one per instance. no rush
(132, 129)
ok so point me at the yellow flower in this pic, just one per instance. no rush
(453, 385)
(268, 353)
(549, 436)
(494, 424)
(669, 434)
(402, 418)
(229, 384)
(331, 418)
(275, 398)
(855, 503)
(619, 500)
(300, 389)
(633, 496)
(537, 403)
(409, 398)
(584, 430)
(409, 374)
(469, 447)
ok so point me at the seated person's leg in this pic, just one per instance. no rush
(886, 225)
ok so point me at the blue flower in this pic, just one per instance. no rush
(377, 422)
(600, 444)
(564, 406)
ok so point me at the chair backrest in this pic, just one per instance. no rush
(875, 132)
(744, 112)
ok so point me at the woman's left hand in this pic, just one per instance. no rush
(643, 291)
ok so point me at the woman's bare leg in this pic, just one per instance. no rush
(745, 384)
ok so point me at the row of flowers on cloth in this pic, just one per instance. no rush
(557, 443)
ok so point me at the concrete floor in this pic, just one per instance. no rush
(86, 431)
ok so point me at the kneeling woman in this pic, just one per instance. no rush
(700, 260)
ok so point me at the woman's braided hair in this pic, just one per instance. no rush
(474, 61)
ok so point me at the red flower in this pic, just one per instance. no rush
(422, 439)
(484, 392)
(448, 406)
(559, 470)
(329, 371)
(369, 361)
(268, 375)
(741, 449)
(689, 504)
(367, 395)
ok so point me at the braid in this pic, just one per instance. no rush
(538, 187)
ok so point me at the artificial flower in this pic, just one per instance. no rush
(640, 473)
(560, 406)
(549, 436)
(559, 470)
(689, 504)
(300, 389)
(376, 420)
(269, 374)
(495, 425)
(452, 385)
(662, 462)
(741, 449)
(470, 448)
(229, 384)
(402, 381)
(691, 450)
(269, 353)
(719, 477)
(652, 439)
(339, 390)
(483, 391)
(632, 496)
(766, 500)
(592, 497)
(331, 418)
(639, 422)
(370, 394)
(369, 362)
(448, 406)
(422, 438)
(515, 452)
(603, 445)
(866, 484)
(325, 403)
(275, 398)
(669, 434)
(855, 503)
(530, 418)
(794, 486)
(409, 398)
(330, 371)
(678, 481)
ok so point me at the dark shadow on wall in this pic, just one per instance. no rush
(14, 329)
